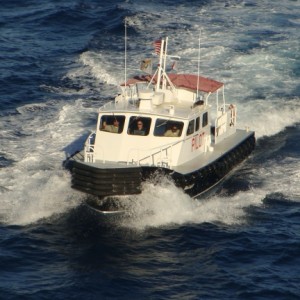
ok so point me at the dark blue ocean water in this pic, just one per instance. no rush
(59, 61)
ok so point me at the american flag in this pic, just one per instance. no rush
(157, 47)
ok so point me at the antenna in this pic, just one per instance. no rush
(125, 51)
(199, 48)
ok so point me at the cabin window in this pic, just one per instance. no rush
(140, 86)
(139, 125)
(131, 90)
(205, 119)
(191, 127)
(197, 124)
(112, 123)
(168, 128)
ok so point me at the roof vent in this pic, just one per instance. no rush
(158, 98)
(145, 94)
(171, 110)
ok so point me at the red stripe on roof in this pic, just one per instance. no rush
(191, 82)
(188, 81)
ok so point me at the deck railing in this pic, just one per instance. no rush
(224, 123)
(89, 148)
(159, 156)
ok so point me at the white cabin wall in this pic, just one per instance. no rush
(149, 150)
(128, 148)
(194, 145)
(186, 96)
(131, 148)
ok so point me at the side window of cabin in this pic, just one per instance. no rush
(191, 127)
(112, 123)
(168, 128)
(205, 119)
(197, 124)
(139, 126)
(140, 86)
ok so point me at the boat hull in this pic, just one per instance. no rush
(202, 180)
(104, 180)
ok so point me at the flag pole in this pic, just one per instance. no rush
(160, 63)
(165, 49)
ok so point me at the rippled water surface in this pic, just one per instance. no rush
(60, 60)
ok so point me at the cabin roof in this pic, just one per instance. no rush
(188, 81)
(182, 110)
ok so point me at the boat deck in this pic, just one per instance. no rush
(205, 159)
(220, 149)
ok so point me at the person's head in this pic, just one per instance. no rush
(116, 123)
(140, 124)
(174, 128)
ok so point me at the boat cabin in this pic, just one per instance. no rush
(166, 133)
(161, 120)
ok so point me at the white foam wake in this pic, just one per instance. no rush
(35, 186)
(269, 117)
(160, 206)
(164, 204)
(36, 195)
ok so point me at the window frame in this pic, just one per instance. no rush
(132, 128)
(191, 127)
(165, 125)
(110, 119)
(205, 119)
(197, 123)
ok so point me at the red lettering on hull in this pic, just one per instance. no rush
(197, 141)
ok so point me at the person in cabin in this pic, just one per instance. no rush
(140, 128)
(172, 132)
(114, 128)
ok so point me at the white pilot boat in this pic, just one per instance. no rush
(174, 124)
